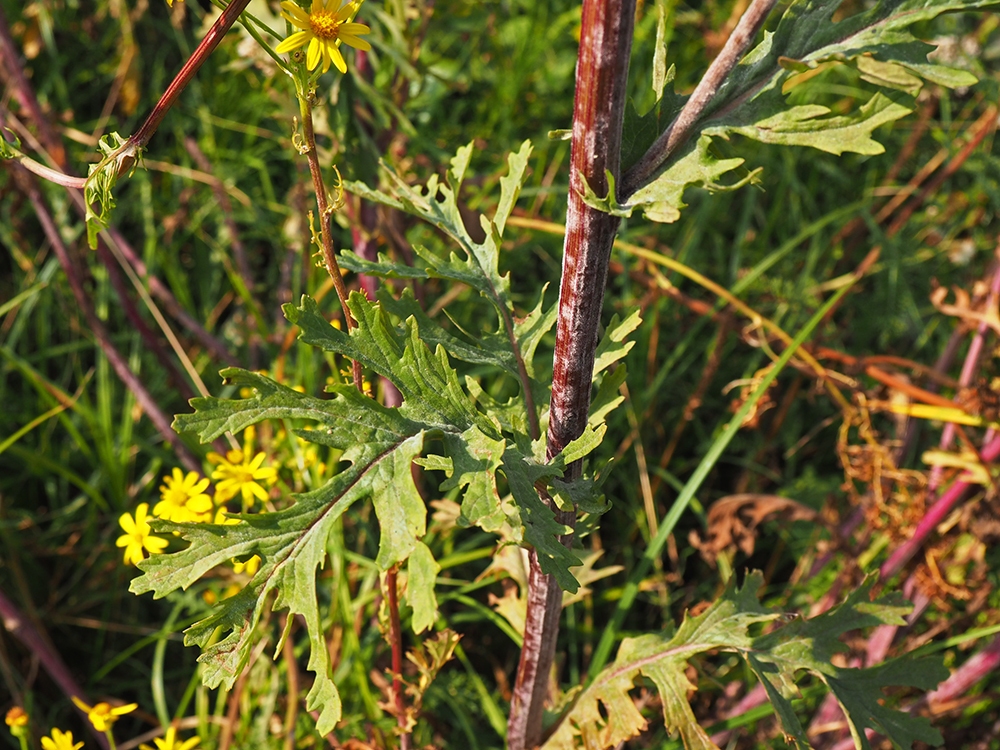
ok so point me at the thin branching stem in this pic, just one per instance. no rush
(678, 132)
(325, 211)
(396, 641)
(333, 268)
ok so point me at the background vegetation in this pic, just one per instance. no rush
(218, 216)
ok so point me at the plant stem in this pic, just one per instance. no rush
(333, 268)
(396, 640)
(681, 128)
(598, 112)
(325, 210)
(215, 34)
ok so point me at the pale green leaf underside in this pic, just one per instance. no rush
(605, 714)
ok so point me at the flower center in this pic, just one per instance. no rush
(324, 25)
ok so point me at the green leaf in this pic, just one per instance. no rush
(807, 125)
(663, 659)
(661, 76)
(437, 204)
(120, 155)
(512, 344)
(9, 148)
(859, 693)
(792, 648)
(613, 345)
(422, 569)
(541, 529)
(660, 200)
(809, 646)
(750, 102)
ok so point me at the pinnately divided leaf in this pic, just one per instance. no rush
(511, 346)
(751, 102)
(793, 648)
(438, 425)
(437, 204)
(479, 445)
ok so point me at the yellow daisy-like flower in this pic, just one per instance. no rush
(60, 741)
(324, 27)
(103, 715)
(169, 742)
(137, 538)
(183, 497)
(242, 478)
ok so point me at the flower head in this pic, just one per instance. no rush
(238, 473)
(137, 537)
(324, 27)
(60, 741)
(182, 497)
(17, 720)
(169, 742)
(103, 715)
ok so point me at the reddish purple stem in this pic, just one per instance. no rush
(38, 644)
(598, 111)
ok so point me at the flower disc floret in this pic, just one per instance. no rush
(324, 28)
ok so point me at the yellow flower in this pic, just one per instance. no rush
(324, 27)
(103, 715)
(137, 537)
(169, 742)
(241, 477)
(16, 717)
(183, 497)
(250, 567)
(17, 720)
(60, 741)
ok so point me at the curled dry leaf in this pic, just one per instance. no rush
(733, 522)
(965, 307)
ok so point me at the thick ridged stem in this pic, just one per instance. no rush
(598, 110)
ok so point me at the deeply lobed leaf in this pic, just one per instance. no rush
(778, 658)
(750, 102)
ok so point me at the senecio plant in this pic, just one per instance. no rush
(518, 467)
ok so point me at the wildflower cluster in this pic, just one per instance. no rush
(101, 716)
(184, 498)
